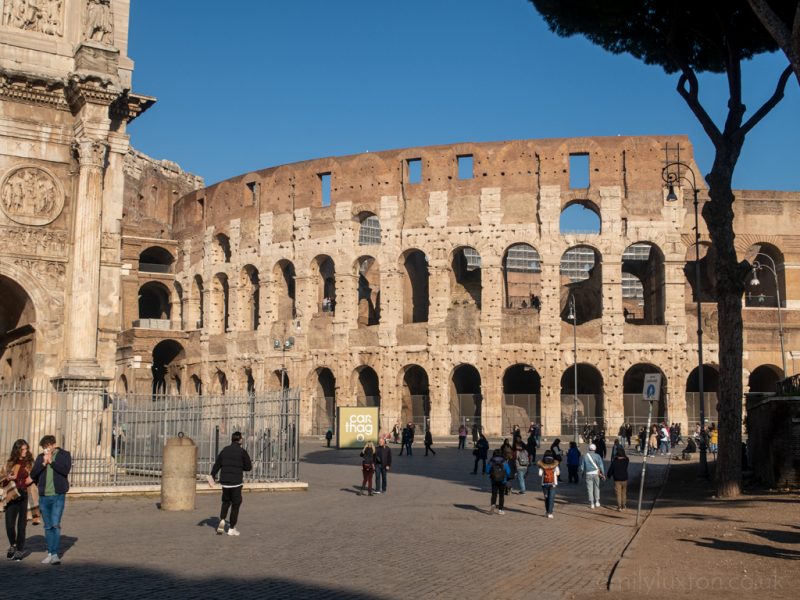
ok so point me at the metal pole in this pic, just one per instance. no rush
(774, 270)
(644, 462)
(574, 369)
(703, 456)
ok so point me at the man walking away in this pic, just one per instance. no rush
(429, 442)
(523, 461)
(499, 474)
(329, 436)
(232, 462)
(383, 462)
(618, 471)
(592, 467)
(549, 472)
(50, 473)
(573, 462)
(481, 452)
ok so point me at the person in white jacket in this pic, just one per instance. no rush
(593, 471)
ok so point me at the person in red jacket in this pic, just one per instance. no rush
(17, 470)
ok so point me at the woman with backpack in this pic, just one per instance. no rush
(549, 472)
(522, 461)
(367, 467)
(499, 474)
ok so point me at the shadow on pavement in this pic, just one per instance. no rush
(37, 543)
(95, 581)
(777, 536)
(747, 548)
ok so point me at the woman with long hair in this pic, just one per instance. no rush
(367, 467)
(17, 470)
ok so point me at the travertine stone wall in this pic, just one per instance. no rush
(519, 189)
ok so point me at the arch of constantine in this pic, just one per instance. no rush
(443, 284)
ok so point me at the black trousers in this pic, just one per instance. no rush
(16, 521)
(462, 441)
(231, 499)
(477, 460)
(498, 494)
(428, 447)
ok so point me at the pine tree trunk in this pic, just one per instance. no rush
(730, 280)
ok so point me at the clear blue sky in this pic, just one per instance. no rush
(243, 84)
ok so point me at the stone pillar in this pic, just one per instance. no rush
(82, 321)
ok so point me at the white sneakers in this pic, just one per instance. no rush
(221, 527)
(549, 516)
(51, 559)
(501, 512)
(233, 531)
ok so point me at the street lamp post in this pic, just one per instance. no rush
(757, 266)
(671, 178)
(573, 316)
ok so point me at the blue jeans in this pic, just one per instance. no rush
(664, 447)
(521, 471)
(380, 478)
(52, 507)
(549, 498)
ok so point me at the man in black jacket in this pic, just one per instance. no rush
(232, 461)
(49, 472)
(383, 462)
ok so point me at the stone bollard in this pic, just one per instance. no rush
(178, 474)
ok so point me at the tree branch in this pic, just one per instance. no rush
(772, 23)
(691, 98)
(776, 97)
(733, 72)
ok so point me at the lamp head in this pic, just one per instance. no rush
(754, 281)
(671, 195)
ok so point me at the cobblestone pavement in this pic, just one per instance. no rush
(429, 537)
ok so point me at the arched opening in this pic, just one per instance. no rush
(643, 284)
(154, 301)
(466, 398)
(634, 405)
(167, 356)
(701, 256)
(122, 385)
(17, 334)
(764, 379)
(710, 389)
(197, 385)
(220, 304)
(465, 281)
(522, 277)
(368, 391)
(280, 379)
(581, 217)
(325, 272)
(222, 248)
(324, 400)
(767, 281)
(416, 400)
(155, 260)
(415, 287)
(250, 297)
(249, 382)
(286, 301)
(582, 278)
(369, 291)
(199, 316)
(586, 400)
(522, 388)
(369, 230)
(221, 382)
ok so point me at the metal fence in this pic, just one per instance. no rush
(118, 440)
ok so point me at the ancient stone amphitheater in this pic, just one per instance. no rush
(439, 284)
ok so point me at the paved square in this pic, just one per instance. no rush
(429, 537)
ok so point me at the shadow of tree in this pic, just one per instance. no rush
(746, 548)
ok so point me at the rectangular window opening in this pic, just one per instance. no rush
(414, 170)
(465, 166)
(253, 197)
(579, 171)
(201, 205)
(325, 181)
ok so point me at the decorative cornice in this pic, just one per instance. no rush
(91, 89)
(129, 106)
(21, 87)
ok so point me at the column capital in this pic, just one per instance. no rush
(90, 152)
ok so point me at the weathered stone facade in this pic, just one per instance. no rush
(260, 258)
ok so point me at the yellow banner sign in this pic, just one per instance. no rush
(357, 425)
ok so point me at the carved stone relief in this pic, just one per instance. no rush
(48, 272)
(31, 196)
(28, 240)
(41, 16)
(99, 22)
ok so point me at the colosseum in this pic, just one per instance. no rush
(445, 284)
(440, 284)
